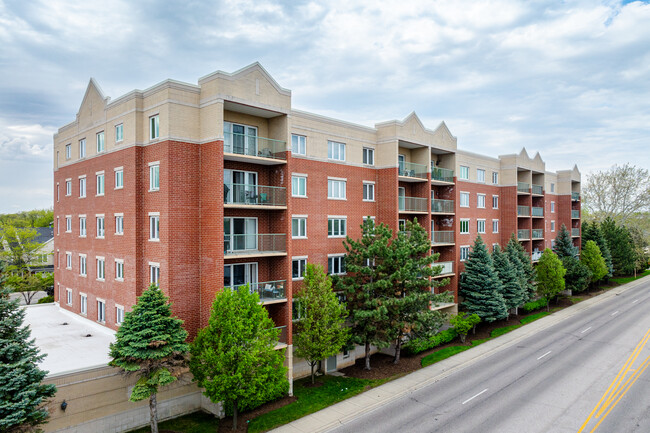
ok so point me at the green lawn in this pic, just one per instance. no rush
(625, 280)
(197, 422)
(534, 317)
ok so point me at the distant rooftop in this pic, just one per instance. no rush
(44, 234)
(67, 346)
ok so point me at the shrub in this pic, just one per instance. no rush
(46, 300)
(535, 305)
(463, 323)
(415, 346)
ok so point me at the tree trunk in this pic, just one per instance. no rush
(153, 412)
(462, 338)
(398, 349)
(234, 415)
(367, 355)
(312, 364)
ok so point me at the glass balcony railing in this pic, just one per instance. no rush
(575, 196)
(538, 233)
(538, 211)
(575, 214)
(523, 234)
(269, 290)
(442, 174)
(442, 237)
(537, 189)
(575, 232)
(447, 268)
(523, 187)
(412, 204)
(252, 145)
(536, 255)
(442, 206)
(255, 244)
(282, 337)
(260, 195)
(523, 211)
(411, 169)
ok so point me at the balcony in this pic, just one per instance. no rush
(538, 233)
(258, 196)
(447, 269)
(441, 175)
(412, 172)
(270, 292)
(412, 204)
(251, 148)
(575, 196)
(523, 211)
(442, 238)
(442, 206)
(575, 232)
(282, 337)
(255, 244)
(537, 254)
(523, 188)
(575, 214)
(538, 211)
(523, 234)
(537, 189)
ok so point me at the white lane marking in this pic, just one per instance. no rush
(614, 313)
(635, 301)
(585, 330)
(472, 398)
(544, 355)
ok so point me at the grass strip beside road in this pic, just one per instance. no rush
(625, 280)
(197, 422)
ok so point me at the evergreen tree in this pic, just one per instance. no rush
(550, 276)
(592, 258)
(150, 343)
(22, 396)
(592, 232)
(321, 332)
(620, 245)
(564, 244)
(520, 258)
(513, 292)
(481, 286)
(234, 357)
(577, 275)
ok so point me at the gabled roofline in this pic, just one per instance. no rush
(409, 116)
(165, 84)
(327, 119)
(234, 75)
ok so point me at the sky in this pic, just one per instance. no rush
(568, 79)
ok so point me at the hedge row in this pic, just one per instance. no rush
(418, 345)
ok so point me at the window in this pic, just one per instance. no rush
(100, 142)
(154, 127)
(368, 191)
(68, 151)
(552, 187)
(84, 303)
(495, 202)
(68, 224)
(100, 184)
(154, 273)
(336, 265)
(368, 156)
(495, 178)
(237, 275)
(154, 227)
(495, 226)
(298, 265)
(464, 226)
(299, 227)
(298, 144)
(68, 187)
(401, 225)
(552, 243)
(101, 311)
(464, 253)
(101, 268)
(336, 189)
(240, 234)
(119, 270)
(480, 175)
(82, 148)
(336, 150)
(119, 314)
(464, 173)
(119, 133)
(119, 225)
(82, 187)
(552, 207)
(100, 227)
(336, 227)
(298, 186)
(82, 265)
(68, 260)
(82, 227)
(552, 226)
(119, 178)
(68, 296)
(464, 199)
(480, 201)
(58, 230)
(154, 177)
(480, 226)
(57, 191)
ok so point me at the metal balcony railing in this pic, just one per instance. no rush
(252, 145)
(575, 196)
(411, 169)
(523, 187)
(523, 234)
(442, 206)
(523, 211)
(442, 174)
(575, 232)
(538, 233)
(255, 243)
(537, 189)
(536, 255)
(412, 204)
(269, 290)
(575, 214)
(282, 338)
(261, 195)
(538, 211)
(442, 237)
(447, 267)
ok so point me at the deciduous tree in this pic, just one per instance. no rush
(591, 232)
(463, 322)
(592, 258)
(550, 276)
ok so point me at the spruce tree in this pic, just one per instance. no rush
(592, 258)
(564, 244)
(577, 275)
(151, 344)
(550, 276)
(22, 396)
(513, 292)
(525, 269)
(621, 247)
(481, 286)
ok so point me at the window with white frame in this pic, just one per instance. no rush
(100, 142)
(552, 226)
(552, 243)
(464, 253)
(336, 227)
(298, 265)
(299, 227)
(68, 187)
(298, 144)
(401, 225)
(154, 273)
(464, 173)
(58, 229)
(480, 226)
(336, 189)
(68, 224)
(368, 191)
(100, 227)
(480, 201)
(552, 187)
(495, 178)
(101, 268)
(298, 186)
(336, 265)
(57, 191)
(154, 227)
(154, 127)
(119, 178)
(82, 226)
(552, 207)
(464, 199)
(68, 151)
(82, 187)
(480, 175)
(495, 226)
(101, 311)
(100, 183)
(82, 148)
(68, 296)
(464, 226)
(119, 314)
(68, 260)
(368, 156)
(82, 265)
(119, 270)
(119, 224)
(495, 202)
(119, 133)
(154, 177)
(336, 150)
(83, 302)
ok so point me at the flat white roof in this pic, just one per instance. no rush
(67, 346)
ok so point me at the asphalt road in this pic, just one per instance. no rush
(548, 382)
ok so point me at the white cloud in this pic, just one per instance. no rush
(26, 142)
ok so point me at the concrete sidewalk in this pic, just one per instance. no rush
(339, 413)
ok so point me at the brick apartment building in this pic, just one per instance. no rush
(197, 187)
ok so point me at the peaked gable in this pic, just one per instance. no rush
(93, 106)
